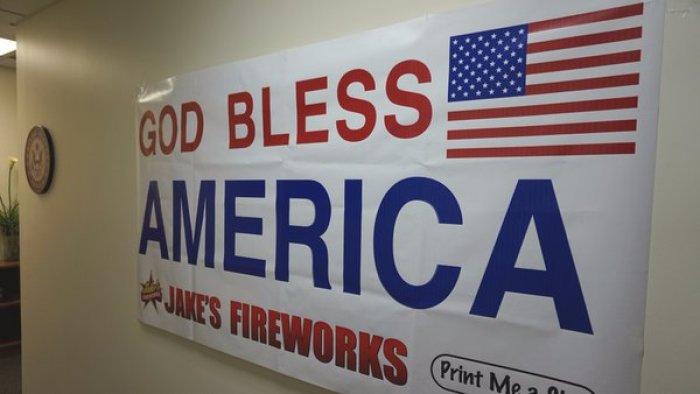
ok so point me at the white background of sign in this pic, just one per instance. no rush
(604, 200)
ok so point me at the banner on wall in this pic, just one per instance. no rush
(458, 203)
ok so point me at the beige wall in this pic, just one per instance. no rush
(80, 63)
(9, 135)
(672, 345)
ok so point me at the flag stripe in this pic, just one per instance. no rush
(585, 40)
(583, 84)
(544, 109)
(554, 129)
(585, 62)
(615, 148)
(590, 17)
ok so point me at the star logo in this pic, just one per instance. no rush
(151, 292)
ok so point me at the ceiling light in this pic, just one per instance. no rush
(7, 46)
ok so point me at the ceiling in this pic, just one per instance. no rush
(11, 13)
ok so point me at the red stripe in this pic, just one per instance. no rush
(616, 148)
(591, 17)
(583, 84)
(584, 62)
(544, 109)
(554, 129)
(586, 40)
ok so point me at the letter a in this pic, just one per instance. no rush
(157, 233)
(534, 199)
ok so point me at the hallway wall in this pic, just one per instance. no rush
(79, 66)
(9, 135)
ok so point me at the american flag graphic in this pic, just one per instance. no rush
(515, 91)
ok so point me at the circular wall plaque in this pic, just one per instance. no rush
(39, 159)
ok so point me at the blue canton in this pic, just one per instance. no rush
(488, 64)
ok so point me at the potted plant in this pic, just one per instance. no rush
(9, 221)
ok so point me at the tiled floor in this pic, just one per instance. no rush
(11, 370)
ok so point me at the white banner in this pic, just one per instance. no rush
(459, 203)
